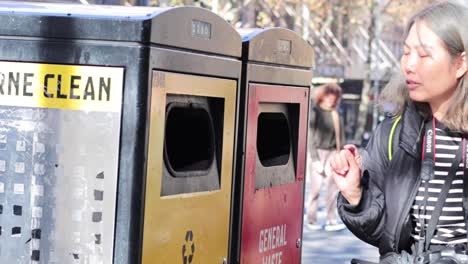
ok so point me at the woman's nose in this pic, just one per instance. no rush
(409, 63)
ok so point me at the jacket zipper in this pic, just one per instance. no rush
(405, 212)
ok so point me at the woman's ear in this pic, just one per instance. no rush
(461, 65)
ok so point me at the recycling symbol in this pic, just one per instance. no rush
(188, 249)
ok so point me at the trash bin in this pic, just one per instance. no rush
(270, 165)
(116, 133)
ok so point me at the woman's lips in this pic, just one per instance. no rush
(412, 84)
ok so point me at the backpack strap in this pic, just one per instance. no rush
(390, 137)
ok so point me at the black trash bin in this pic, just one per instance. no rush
(116, 133)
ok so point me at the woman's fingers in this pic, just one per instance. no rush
(351, 159)
(339, 164)
(354, 150)
(346, 167)
(345, 160)
(351, 148)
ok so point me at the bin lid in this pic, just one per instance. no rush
(276, 46)
(186, 27)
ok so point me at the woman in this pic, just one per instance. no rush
(327, 136)
(387, 198)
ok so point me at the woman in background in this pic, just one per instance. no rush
(327, 136)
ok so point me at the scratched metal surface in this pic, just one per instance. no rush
(58, 176)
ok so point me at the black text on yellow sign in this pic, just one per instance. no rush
(88, 88)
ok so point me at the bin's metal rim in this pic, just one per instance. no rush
(185, 27)
(264, 45)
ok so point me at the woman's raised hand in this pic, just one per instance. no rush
(346, 171)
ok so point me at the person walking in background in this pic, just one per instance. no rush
(327, 136)
(410, 199)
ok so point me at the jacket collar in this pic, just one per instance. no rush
(412, 131)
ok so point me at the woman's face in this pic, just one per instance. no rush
(329, 101)
(431, 74)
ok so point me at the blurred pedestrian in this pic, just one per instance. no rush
(327, 136)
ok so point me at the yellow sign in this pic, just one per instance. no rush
(74, 87)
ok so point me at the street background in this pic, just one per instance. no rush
(357, 44)
(333, 247)
(321, 247)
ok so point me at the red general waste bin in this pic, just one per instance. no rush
(272, 150)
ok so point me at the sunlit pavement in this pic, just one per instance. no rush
(339, 247)
(333, 247)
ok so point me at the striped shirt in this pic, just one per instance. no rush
(451, 225)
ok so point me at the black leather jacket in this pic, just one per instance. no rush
(382, 217)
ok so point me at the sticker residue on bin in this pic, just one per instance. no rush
(59, 135)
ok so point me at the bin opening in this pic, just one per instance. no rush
(192, 144)
(189, 139)
(273, 139)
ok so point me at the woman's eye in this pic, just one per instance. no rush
(423, 53)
